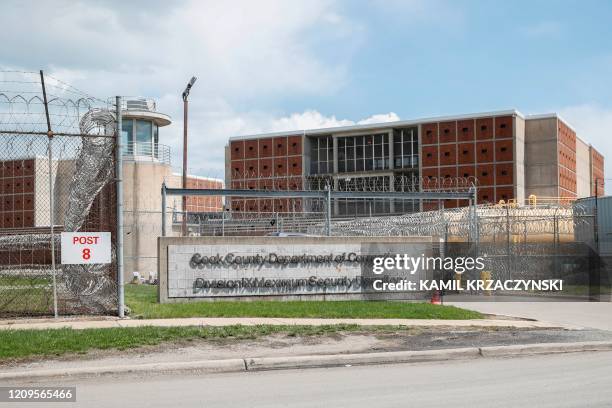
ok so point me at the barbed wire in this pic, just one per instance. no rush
(253, 180)
(22, 108)
(76, 165)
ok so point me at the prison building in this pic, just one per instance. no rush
(510, 155)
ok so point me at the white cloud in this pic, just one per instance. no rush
(309, 119)
(592, 124)
(380, 118)
(244, 53)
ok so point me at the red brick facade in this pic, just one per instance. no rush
(566, 151)
(273, 163)
(203, 203)
(482, 148)
(597, 172)
(19, 209)
(17, 193)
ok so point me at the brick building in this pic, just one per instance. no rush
(199, 204)
(511, 156)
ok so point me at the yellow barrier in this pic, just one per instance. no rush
(485, 276)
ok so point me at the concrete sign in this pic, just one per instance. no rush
(86, 248)
(285, 267)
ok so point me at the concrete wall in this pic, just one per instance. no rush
(142, 182)
(583, 174)
(178, 276)
(541, 167)
(41, 191)
(519, 159)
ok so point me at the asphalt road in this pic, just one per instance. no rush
(567, 380)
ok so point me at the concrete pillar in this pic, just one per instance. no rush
(335, 204)
(391, 177)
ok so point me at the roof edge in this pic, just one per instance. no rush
(552, 115)
(381, 125)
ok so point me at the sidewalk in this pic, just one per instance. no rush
(596, 315)
(110, 322)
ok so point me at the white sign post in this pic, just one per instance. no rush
(86, 248)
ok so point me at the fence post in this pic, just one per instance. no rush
(328, 211)
(51, 193)
(51, 223)
(163, 209)
(119, 194)
(223, 222)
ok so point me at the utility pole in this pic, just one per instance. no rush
(185, 109)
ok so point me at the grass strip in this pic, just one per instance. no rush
(23, 344)
(142, 301)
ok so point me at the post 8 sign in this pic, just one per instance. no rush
(86, 248)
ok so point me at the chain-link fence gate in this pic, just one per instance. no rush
(57, 166)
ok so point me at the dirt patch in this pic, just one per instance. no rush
(280, 344)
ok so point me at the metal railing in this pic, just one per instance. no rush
(138, 103)
(147, 151)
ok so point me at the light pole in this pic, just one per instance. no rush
(185, 109)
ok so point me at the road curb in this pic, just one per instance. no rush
(545, 348)
(391, 357)
(313, 361)
(205, 366)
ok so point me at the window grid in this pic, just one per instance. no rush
(405, 149)
(363, 153)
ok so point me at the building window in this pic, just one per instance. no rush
(140, 137)
(362, 153)
(143, 132)
(321, 155)
(127, 127)
(405, 148)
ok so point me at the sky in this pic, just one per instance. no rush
(272, 65)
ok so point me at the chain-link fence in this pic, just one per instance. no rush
(539, 241)
(57, 149)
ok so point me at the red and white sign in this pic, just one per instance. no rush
(86, 248)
